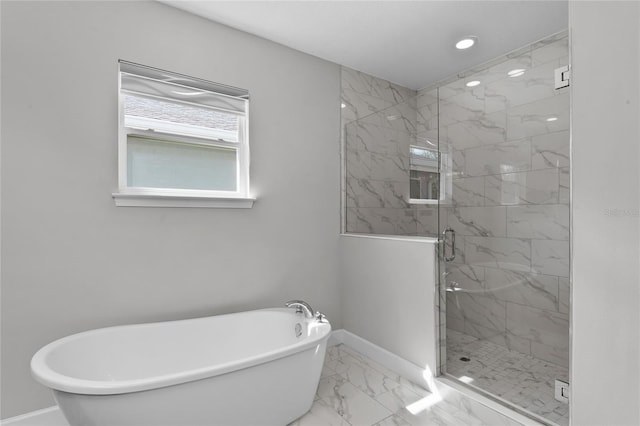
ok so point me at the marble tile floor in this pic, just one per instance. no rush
(525, 381)
(356, 391)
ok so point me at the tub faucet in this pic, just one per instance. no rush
(301, 307)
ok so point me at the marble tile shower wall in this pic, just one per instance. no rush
(509, 141)
(381, 120)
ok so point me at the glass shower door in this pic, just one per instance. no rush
(504, 283)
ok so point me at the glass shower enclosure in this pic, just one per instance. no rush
(505, 279)
(481, 162)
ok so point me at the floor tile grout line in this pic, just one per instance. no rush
(360, 391)
(380, 421)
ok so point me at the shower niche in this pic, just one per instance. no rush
(490, 163)
(424, 175)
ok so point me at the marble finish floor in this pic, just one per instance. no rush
(525, 381)
(354, 390)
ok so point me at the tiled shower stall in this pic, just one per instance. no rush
(503, 188)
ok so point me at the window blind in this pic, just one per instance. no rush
(152, 82)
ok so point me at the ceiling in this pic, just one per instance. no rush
(410, 43)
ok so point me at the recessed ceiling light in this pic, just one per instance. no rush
(342, 105)
(552, 118)
(473, 83)
(466, 42)
(516, 73)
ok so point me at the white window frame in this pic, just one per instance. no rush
(170, 197)
(442, 166)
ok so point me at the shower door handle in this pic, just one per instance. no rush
(453, 244)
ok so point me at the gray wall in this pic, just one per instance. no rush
(605, 163)
(73, 261)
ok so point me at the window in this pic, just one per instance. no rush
(427, 184)
(183, 142)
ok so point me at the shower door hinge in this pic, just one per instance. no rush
(562, 391)
(562, 77)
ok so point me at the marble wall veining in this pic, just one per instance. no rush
(381, 120)
(504, 148)
(509, 137)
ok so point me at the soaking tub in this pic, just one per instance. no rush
(251, 368)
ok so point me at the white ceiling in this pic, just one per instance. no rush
(408, 42)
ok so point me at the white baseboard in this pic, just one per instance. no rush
(336, 337)
(51, 416)
(407, 369)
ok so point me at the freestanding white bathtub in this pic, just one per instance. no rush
(251, 368)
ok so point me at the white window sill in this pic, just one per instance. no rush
(155, 200)
(422, 201)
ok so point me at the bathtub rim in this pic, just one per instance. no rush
(44, 374)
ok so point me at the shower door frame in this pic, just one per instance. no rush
(441, 285)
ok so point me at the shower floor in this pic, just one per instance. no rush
(521, 379)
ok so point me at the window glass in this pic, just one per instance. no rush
(179, 118)
(166, 164)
